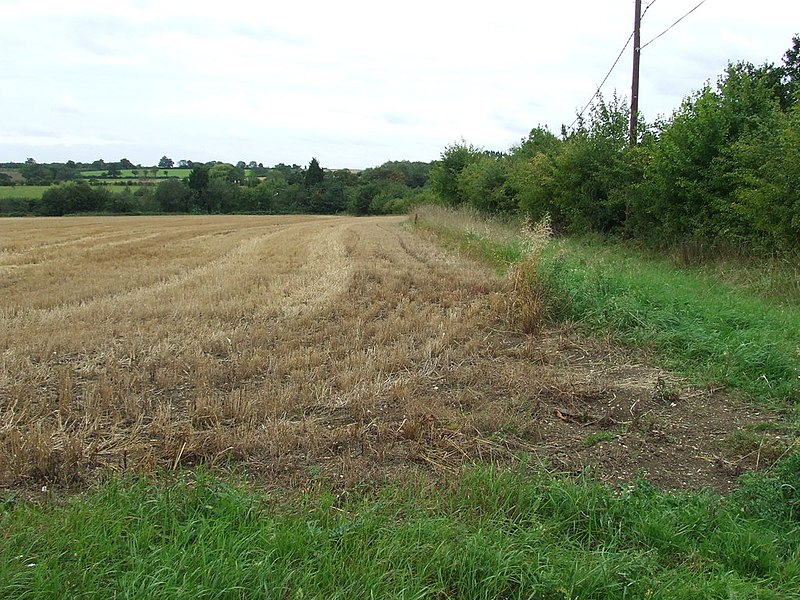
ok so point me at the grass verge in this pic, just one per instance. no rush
(697, 322)
(520, 534)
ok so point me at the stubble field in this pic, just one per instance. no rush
(349, 349)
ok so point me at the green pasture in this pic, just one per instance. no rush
(143, 173)
(26, 192)
(34, 192)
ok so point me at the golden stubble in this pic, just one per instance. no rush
(143, 343)
(293, 347)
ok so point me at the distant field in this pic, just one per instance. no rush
(145, 173)
(29, 192)
(142, 173)
(34, 192)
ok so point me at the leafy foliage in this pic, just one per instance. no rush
(723, 171)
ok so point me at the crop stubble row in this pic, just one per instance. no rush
(152, 342)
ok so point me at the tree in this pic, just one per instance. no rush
(165, 163)
(314, 174)
(482, 184)
(223, 196)
(73, 197)
(227, 172)
(173, 196)
(124, 163)
(791, 70)
(444, 174)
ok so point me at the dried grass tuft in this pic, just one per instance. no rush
(527, 300)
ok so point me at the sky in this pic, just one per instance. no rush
(352, 83)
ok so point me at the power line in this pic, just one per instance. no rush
(673, 25)
(621, 52)
(602, 83)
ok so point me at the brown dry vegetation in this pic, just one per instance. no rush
(348, 348)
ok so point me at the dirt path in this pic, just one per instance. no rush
(305, 347)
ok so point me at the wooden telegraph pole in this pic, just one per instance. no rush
(635, 82)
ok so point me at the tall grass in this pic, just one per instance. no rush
(522, 534)
(693, 321)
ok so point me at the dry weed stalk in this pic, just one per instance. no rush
(527, 300)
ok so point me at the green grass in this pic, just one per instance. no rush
(731, 323)
(142, 173)
(27, 192)
(522, 534)
(145, 173)
(34, 192)
(694, 322)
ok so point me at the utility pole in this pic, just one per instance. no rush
(637, 42)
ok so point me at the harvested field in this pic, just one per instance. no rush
(352, 349)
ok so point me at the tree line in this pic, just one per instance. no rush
(217, 188)
(723, 170)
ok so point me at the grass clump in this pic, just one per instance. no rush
(527, 301)
(520, 534)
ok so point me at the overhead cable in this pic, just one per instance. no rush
(602, 83)
(675, 23)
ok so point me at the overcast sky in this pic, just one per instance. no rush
(352, 83)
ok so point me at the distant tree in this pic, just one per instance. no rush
(270, 193)
(173, 195)
(314, 175)
(124, 163)
(294, 174)
(120, 203)
(227, 172)
(198, 183)
(183, 164)
(252, 165)
(113, 171)
(165, 163)
(346, 177)
(223, 196)
(73, 197)
(241, 165)
(35, 173)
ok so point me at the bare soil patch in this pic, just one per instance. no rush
(299, 348)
